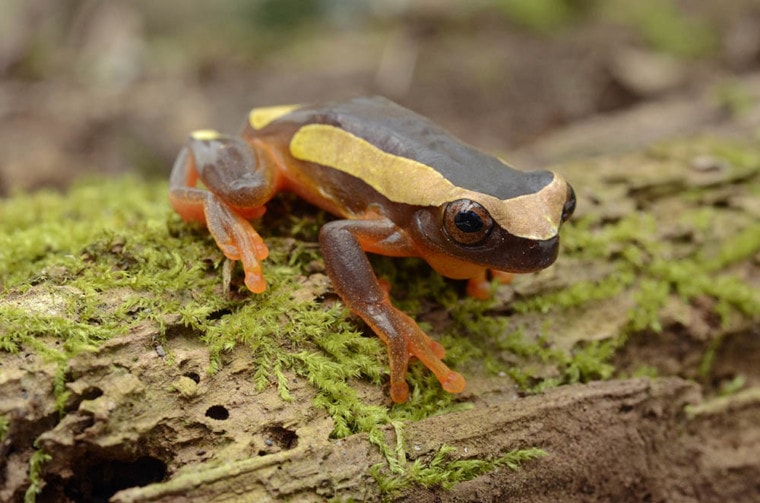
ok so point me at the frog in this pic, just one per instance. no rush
(397, 184)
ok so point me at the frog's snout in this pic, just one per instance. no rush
(542, 254)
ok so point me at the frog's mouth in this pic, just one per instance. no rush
(500, 250)
(505, 252)
(529, 255)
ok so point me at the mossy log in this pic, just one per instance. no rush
(136, 367)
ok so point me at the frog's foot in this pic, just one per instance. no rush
(238, 240)
(503, 277)
(480, 287)
(409, 340)
(436, 347)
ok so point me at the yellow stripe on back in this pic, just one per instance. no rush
(258, 118)
(399, 179)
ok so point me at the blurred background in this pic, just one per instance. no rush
(107, 87)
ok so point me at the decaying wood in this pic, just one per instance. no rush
(605, 440)
(641, 441)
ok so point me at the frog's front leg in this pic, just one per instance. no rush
(239, 182)
(343, 247)
(480, 287)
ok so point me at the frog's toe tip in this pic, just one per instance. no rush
(454, 383)
(255, 283)
(260, 251)
(479, 289)
(400, 392)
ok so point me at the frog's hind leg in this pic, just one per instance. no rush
(238, 183)
(343, 244)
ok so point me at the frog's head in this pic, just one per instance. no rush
(518, 234)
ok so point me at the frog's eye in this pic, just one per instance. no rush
(466, 222)
(569, 207)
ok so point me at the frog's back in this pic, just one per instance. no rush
(407, 135)
(403, 133)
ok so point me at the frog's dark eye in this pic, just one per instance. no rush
(466, 221)
(569, 207)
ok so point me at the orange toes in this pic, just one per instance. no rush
(255, 282)
(400, 392)
(260, 250)
(502, 277)
(230, 251)
(454, 382)
(437, 348)
(479, 288)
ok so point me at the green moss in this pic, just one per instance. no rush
(649, 299)
(578, 294)
(591, 362)
(543, 16)
(36, 464)
(693, 279)
(666, 26)
(734, 97)
(732, 386)
(646, 371)
(742, 246)
(5, 424)
(445, 472)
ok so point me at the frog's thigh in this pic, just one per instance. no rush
(346, 261)
(230, 168)
(185, 198)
